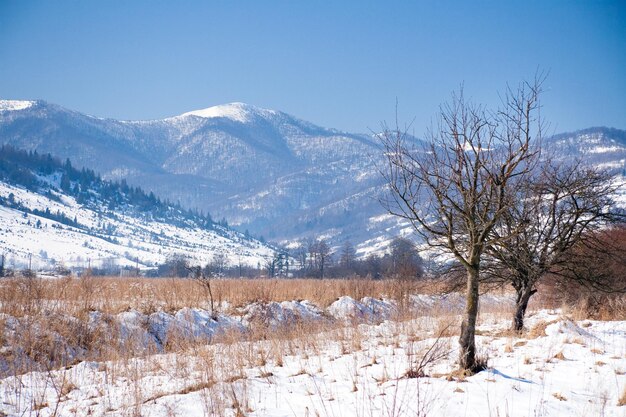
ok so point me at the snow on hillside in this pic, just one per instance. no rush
(130, 240)
(620, 197)
(13, 105)
(263, 170)
(219, 160)
(239, 112)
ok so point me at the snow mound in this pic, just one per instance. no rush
(453, 303)
(133, 327)
(568, 328)
(368, 309)
(347, 308)
(380, 308)
(199, 323)
(159, 325)
(275, 315)
(13, 105)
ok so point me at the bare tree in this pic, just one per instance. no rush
(405, 263)
(216, 268)
(301, 257)
(324, 256)
(347, 258)
(455, 189)
(319, 256)
(557, 209)
(270, 265)
(176, 265)
(202, 277)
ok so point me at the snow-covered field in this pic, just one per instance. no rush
(364, 365)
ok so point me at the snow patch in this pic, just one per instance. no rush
(14, 105)
(567, 328)
(367, 310)
(275, 315)
(239, 112)
(605, 149)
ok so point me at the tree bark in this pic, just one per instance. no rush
(521, 303)
(467, 356)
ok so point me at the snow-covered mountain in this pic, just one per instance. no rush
(54, 215)
(599, 146)
(263, 170)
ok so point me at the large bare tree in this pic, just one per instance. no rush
(455, 188)
(557, 209)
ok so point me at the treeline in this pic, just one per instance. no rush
(26, 169)
(57, 216)
(315, 259)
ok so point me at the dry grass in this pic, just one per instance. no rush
(508, 348)
(218, 371)
(48, 320)
(603, 307)
(49, 332)
(53, 310)
(538, 330)
(579, 302)
(112, 295)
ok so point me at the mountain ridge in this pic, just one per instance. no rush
(264, 170)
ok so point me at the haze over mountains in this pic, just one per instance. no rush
(263, 170)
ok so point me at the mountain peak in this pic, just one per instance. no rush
(240, 112)
(12, 105)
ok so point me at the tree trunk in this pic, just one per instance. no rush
(521, 303)
(467, 357)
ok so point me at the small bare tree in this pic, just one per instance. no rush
(203, 277)
(455, 190)
(555, 210)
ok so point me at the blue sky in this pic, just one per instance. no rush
(337, 64)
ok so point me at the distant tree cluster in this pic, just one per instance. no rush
(314, 260)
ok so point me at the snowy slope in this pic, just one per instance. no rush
(239, 112)
(599, 146)
(13, 105)
(263, 170)
(105, 236)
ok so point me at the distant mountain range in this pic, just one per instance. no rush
(52, 214)
(263, 170)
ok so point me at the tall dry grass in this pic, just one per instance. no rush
(46, 323)
(27, 296)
